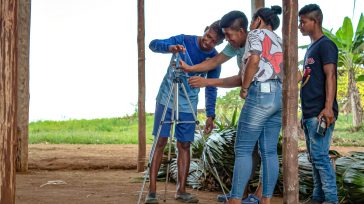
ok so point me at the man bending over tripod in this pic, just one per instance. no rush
(193, 50)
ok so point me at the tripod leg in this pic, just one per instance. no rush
(189, 103)
(151, 155)
(175, 101)
(201, 133)
(168, 167)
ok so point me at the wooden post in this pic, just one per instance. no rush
(23, 84)
(256, 4)
(141, 83)
(8, 99)
(290, 102)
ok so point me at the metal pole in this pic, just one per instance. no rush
(255, 5)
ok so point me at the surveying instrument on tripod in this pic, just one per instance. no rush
(179, 84)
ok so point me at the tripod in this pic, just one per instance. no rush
(176, 84)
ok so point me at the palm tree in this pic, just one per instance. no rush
(351, 55)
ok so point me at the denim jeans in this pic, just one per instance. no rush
(318, 146)
(260, 120)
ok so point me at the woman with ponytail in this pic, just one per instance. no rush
(261, 116)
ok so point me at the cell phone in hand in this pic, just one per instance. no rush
(321, 127)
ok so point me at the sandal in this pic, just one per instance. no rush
(186, 198)
(251, 199)
(151, 198)
(223, 197)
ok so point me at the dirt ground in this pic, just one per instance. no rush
(92, 174)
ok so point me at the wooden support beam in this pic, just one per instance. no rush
(141, 83)
(8, 99)
(290, 102)
(23, 84)
(256, 4)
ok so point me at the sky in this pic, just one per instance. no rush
(84, 57)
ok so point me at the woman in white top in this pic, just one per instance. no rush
(260, 118)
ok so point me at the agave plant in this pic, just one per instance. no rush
(196, 175)
(219, 154)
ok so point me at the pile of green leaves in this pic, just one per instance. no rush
(350, 178)
(217, 151)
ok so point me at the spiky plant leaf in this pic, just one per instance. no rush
(197, 146)
(360, 78)
(347, 32)
(305, 176)
(195, 175)
(219, 153)
(234, 118)
(354, 182)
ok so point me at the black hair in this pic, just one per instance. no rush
(215, 26)
(269, 15)
(312, 11)
(234, 20)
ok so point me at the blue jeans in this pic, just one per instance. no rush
(260, 120)
(318, 146)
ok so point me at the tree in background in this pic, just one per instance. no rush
(342, 90)
(351, 60)
(229, 102)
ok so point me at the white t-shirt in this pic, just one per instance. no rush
(268, 46)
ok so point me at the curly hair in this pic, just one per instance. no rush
(215, 26)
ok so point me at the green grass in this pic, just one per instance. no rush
(97, 131)
(344, 134)
(125, 131)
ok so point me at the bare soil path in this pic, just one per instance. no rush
(88, 174)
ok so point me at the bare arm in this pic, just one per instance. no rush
(206, 65)
(250, 71)
(228, 82)
(330, 88)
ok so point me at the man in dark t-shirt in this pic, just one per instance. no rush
(319, 105)
(313, 95)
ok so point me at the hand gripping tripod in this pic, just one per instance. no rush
(176, 84)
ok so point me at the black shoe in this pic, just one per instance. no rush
(151, 198)
(310, 201)
(186, 198)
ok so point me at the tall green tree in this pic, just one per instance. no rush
(351, 59)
